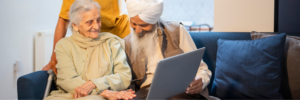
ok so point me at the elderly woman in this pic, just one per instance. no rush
(91, 65)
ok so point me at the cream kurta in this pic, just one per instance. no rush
(70, 67)
(186, 44)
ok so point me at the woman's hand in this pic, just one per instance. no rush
(84, 89)
(114, 95)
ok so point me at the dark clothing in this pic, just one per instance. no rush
(184, 96)
(142, 95)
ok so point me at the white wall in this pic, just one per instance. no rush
(19, 20)
(244, 15)
(197, 11)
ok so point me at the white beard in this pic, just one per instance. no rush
(146, 43)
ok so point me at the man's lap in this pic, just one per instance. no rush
(187, 96)
(142, 94)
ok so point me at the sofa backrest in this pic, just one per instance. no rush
(209, 40)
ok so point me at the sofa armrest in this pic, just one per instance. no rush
(33, 85)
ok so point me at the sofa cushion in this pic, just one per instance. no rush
(249, 69)
(209, 41)
(290, 87)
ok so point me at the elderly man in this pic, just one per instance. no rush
(152, 40)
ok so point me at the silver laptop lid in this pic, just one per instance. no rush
(174, 74)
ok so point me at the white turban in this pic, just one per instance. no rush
(148, 10)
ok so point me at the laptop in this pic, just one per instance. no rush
(174, 74)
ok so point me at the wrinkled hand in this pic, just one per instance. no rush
(51, 65)
(84, 89)
(114, 95)
(195, 87)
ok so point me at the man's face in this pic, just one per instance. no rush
(90, 24)
(140, 27)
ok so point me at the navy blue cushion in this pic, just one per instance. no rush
(249, 69)
(209, 41)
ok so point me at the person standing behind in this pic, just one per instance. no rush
(112, 21)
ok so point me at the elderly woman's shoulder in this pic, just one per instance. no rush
(127, 38)
(65, 41)
(109, 36)
(111, 39)
(64, 44)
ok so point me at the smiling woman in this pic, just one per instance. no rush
(90, 24)
(90, 64)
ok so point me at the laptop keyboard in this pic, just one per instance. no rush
(142, 94)
(142, 97)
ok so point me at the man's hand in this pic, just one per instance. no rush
(51, 65)
(114, 95)
(84, 89)
(195, 87)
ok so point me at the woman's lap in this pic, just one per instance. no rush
(68, 96)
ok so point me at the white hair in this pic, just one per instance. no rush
(78, 7)
(145, 43)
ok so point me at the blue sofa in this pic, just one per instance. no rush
(32, 86)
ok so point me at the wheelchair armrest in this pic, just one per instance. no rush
(33, 85)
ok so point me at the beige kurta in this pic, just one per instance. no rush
(71, 72)
(186, 44)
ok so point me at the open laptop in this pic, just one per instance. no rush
(174, 74)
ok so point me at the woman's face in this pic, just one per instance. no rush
(90, 24)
